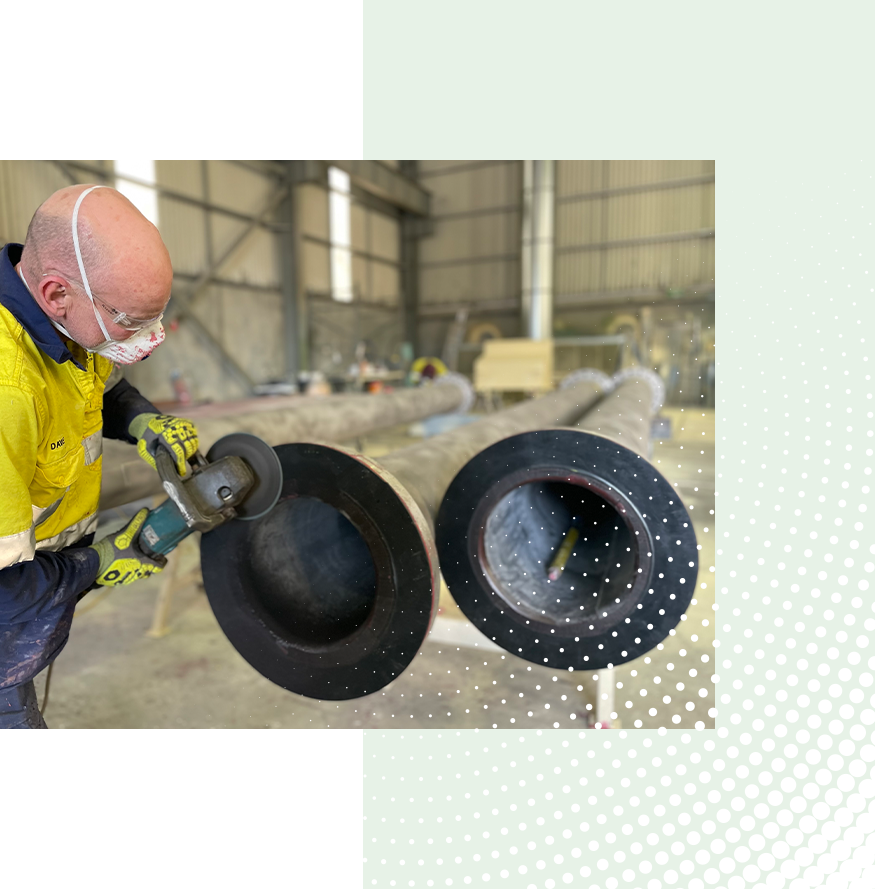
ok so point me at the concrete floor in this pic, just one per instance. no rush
(113, 675)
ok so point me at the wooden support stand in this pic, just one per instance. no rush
(605, 700)
(601, 717)
(172, 580)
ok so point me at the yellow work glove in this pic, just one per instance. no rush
(121, 560)
(176, 434)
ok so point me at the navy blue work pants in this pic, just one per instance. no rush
(19, 708)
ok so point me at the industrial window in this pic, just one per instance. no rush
(141, 194)
(340, 234)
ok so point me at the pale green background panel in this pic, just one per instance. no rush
(781, 794)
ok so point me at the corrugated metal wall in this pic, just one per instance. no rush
(630, 236)
(623, 229)
(314, 264)
(472, 258)
(628, 233)
(633, 228)
(24, 185)
(376, 264)
(194, 236)
(333, 329)
(242, 308)
(634, 252)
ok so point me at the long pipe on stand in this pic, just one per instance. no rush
(126, 477)
(566, 547)
(332, 594)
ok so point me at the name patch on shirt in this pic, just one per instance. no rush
(57, 444)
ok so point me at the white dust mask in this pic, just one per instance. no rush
(135, 348)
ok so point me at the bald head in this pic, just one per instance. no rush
(125, 260)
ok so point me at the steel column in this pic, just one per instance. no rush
(537, 248)
(410, 280)
(286, 241)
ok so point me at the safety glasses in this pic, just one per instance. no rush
(128, 322)
(122, 319)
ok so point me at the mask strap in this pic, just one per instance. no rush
(21, 275)
(79, 258)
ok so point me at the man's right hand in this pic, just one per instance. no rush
(176, 434)
(121, 560)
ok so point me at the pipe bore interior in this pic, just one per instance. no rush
(601, 580)
(311, 570)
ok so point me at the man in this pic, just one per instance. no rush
(86, 292)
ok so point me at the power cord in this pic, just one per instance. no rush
(94, 600)
(81, 609)
(46, 691)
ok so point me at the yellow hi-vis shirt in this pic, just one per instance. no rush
(50, 444)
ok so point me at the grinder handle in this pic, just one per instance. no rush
(165, 463)
(172, 482)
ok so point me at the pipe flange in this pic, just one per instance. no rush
(588, 374)
(451, 378)
(508, 508)
(657, 386)
(332, 593)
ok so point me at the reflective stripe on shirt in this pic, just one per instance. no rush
(41, 513)
(69, 535)
(15, 548)
(93, 445)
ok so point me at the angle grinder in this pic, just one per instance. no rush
(240, 478)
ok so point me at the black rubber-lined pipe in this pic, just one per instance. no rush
(628, 569)
(333, 590)
(331, 418)
(332, 594)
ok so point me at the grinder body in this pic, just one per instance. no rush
(163, 530)
(241, 477)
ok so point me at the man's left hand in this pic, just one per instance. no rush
(176, 434)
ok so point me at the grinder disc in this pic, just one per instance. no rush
(265, 464)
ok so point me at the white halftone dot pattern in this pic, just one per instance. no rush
(591, 806)
(782, 794)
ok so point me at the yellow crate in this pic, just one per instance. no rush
(514, 365)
